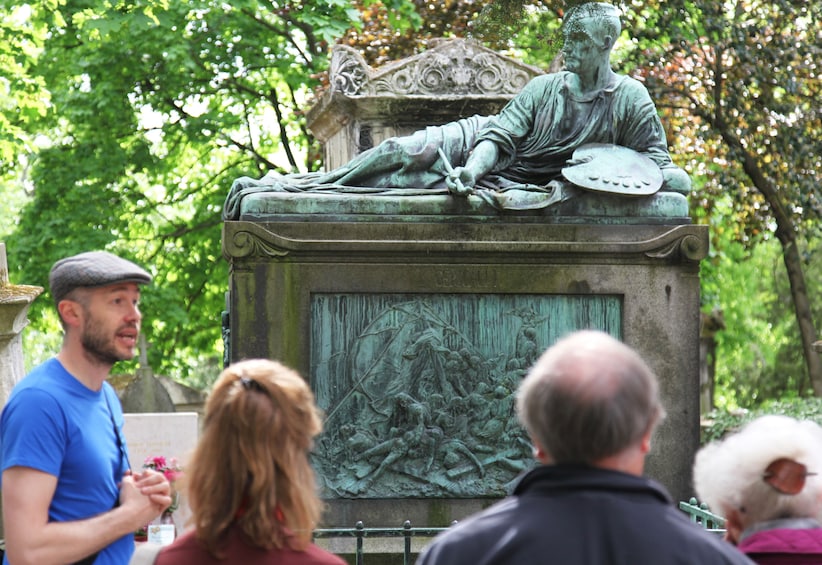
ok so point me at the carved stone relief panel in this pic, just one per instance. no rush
(418, 389)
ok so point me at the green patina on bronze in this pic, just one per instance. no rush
(414, 286)
(418, 390)
(512, 160)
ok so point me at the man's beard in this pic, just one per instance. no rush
(99, 346)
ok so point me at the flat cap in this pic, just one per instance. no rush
(92, 269)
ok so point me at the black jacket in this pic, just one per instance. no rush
(577, 515)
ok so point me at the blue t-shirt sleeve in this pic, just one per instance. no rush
(33, 432)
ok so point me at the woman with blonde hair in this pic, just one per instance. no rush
(766, 481)
(249, 483)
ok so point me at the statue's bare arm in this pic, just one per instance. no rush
(480, 162)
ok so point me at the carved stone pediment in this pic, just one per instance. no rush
(453, 79)
(455, 67)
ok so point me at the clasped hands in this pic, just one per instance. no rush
(146, 493)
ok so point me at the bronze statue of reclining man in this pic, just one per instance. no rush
(515, 159)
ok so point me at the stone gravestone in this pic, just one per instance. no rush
(415, 318)
(162, 434)
(145, 392)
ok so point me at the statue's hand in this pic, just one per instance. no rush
(460, 181)
(676, 180)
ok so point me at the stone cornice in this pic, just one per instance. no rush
(251, 241)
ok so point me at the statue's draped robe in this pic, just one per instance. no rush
(536, 134)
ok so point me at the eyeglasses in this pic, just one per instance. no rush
(786, 476)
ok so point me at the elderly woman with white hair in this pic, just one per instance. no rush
(766, 480)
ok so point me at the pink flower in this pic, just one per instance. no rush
(158, 462)
(172, 471)
(168, 467)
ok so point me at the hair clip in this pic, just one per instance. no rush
(253, 385)
(786, 476)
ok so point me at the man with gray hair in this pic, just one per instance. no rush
(590, 405)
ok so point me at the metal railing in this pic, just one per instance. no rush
(359, 533)
(700, 514)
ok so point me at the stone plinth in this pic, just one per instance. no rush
(414, 332)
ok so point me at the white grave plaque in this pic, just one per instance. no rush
(170, 434)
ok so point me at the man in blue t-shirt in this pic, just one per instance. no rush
(69, 495)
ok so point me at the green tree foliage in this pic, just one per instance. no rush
(153, 108)
(23, 102)
(533, 23)
(759, 358)
(720, 423)
(128, 121)
(739, 84)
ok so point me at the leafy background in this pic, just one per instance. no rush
(122, 125)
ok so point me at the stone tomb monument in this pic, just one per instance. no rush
(414, 318)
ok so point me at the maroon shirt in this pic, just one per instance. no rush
(784, 546)
(186, 550)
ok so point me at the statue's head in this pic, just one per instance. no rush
(597, 20)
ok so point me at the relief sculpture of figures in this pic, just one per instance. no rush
(560, 136)
(419, 395)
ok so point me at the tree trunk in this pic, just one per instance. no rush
(786, 234)
(802, 308)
